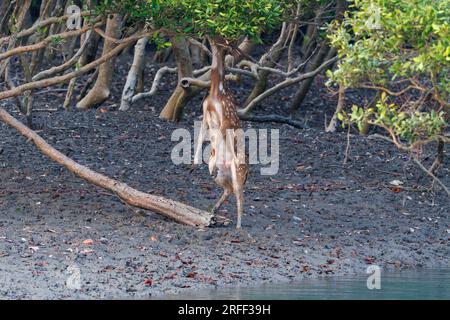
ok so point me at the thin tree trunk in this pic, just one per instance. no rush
(162, 55)
(340, 105)
(6, 9)
(35, 61)
(10, 83)
(305, 85)
(195, 55)
(172, 209)
(20, 10)
(140, 80)
(91, 50)
(439, 158)
(134, 73)
(173, 109)
(269, 59)
(101, 90)
(325, 53)
(54, 28)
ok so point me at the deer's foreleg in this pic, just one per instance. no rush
(201, 138)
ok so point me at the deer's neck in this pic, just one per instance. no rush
(217, 70)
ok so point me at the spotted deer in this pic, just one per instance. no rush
(221, 120)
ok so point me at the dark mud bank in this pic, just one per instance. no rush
(315, 217)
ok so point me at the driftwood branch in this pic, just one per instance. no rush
(169, 208)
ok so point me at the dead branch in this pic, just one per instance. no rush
(188, 82)
(66, 65)
(184, 82)
(41, 24)
(439, 157)
(273, 118)
(156, 81)
(87, 85)
(44, 43)
(199, 83)
(255, 67)
(286, 83)
(60, 79)
(431, 174)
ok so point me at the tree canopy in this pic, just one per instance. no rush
(230, 19)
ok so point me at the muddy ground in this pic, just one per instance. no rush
(315, 217)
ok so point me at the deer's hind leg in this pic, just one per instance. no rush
(227, 191)
(238, 188)
(239, 193)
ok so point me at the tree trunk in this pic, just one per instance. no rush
(101, 90)
(90, 52)
(6, 9)
(439, 157)
(54, 28)
(36, 60)
(269, 59)
(172, 209)
(340, 105)
(195, 55)
(172, 111)
(162, 55)
(305, 85)
(19, 13)
(134, 73)
(140, 80)
(324, 53)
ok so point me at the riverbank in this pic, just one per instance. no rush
(316, 217)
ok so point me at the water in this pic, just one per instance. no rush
(434, 284)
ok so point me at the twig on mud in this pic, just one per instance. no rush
(51, 91)
(347, 148)
(45, 110)
(273, 118)
(421, 166)
(416, 160)
(387, 172)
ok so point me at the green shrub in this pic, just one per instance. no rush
(401, 48)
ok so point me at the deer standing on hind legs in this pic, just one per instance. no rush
(225, 133)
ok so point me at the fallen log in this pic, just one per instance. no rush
(169, 208)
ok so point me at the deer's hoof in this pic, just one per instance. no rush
(220, 221)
